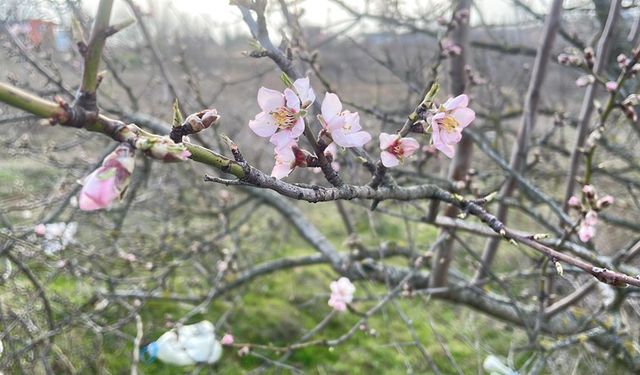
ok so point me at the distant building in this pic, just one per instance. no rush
(41, 34)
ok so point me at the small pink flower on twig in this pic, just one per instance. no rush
(227, 339)
(449, 121)
(587, 228)
(109, 182)
(287, 158)
(589, 191)
(585, 80)
(243, 351)
(605, 201)
(611, 86)
(341, 294)
(330, 151)
(282, 114)
(40, 230)
(396, 149)
(344, 126)
(449, 48)
(623, 60)
(574, 202)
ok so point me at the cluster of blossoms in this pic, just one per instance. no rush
(341, 294)
(282, 120)
(589, 206)
(56, 236)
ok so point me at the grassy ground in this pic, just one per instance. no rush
(279, 308)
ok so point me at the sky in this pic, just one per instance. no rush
(316, 12)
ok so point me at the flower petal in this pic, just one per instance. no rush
(298, 128)
(304, 90)
(409, 146)
(387, 140)
(457, 102)
(280, 171)
(268, 99)
(388, 159)
(263, 125)
(292, 99)
(282, 140)
(464, 116)
(446, 149)
(331, 106)
(450, 138)
(358, 139)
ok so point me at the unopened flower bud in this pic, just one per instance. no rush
(574, 202)
(588, 57)
(462, 15)
(611, 86)
(563, 59)
(575, 60)
(202, 120)
(605, 201)
(163, 148)
(40, 230)
(589, 191)
(227, 339)
(585, 80)
(623, 60)
(629, 111)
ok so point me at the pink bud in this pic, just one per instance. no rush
(243, 351)
(591, 218)
(611, 86)
(585, 80)
(227, 339)
(623, 60)
(109, 182)
(40, 230)
(586, 232)
(574, 202)
(563, 59)
(605, 201)
(589, 191)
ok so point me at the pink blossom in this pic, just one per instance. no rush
(563, 59)
(285, 160)
(341, 294)
(611, 86)
(282, 114)
(623, 60)
(449, 121)
(449, 48)
(344, 126)
(40, 230)
(585, 80)
(303, 88)
(591, 218)
(332, 151)
(227, 339)
(109, 182)
(587, 228)
(589, 191)
(243, 351)
(586, 232)
(396, 149)
(574, 201)
(605, 201)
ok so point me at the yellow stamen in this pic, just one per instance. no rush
(284, 117)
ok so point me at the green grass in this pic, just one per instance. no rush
(279, 308)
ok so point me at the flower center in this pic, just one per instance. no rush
(449, 123)
(284, 117)
(396, 149)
